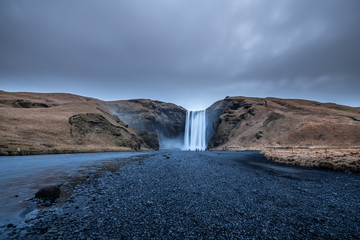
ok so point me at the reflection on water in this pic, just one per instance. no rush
(22, 176)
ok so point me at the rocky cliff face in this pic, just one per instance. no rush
(255, 123)
(167, 120)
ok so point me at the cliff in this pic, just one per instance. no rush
(38, 123)
(167, 120)
(257, 123)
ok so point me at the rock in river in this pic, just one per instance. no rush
(51, 193)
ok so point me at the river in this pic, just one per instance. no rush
(22, 176)
(181, 195)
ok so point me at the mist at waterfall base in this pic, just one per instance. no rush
(195, 131)
(171, 143)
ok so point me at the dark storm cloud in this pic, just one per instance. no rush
(170, 50)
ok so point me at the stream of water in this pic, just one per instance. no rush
(195, 130)
(22, 176)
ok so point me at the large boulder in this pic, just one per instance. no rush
(51, 193)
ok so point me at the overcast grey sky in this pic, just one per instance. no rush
(190, 52)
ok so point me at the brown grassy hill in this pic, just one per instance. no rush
(257, 123)
(34, 123)
(35, 100)
(291, 131)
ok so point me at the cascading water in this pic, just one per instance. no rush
(195, 129)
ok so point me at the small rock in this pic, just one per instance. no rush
(52, 230)
(10, 225)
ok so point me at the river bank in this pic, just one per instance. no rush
(337, 159)
(330, 158)
(24, 150)
(197, 195)
(22, 176)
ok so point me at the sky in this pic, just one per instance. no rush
(189, 52)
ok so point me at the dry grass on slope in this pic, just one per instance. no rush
(259, 123)
(339, 159)
(306, 127)
(34, 128)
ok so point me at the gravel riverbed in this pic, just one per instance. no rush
(203, 195)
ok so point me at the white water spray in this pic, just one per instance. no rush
(195, 129)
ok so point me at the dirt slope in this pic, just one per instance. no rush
(34, 123)
(257, 123)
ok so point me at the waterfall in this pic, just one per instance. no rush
(195, 128)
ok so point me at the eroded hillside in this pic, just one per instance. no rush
(35, 123)
(256, 123)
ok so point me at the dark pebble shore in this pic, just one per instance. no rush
(203, 195)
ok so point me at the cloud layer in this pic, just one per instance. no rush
(188, 52)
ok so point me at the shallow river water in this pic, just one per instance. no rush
(22, 176)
